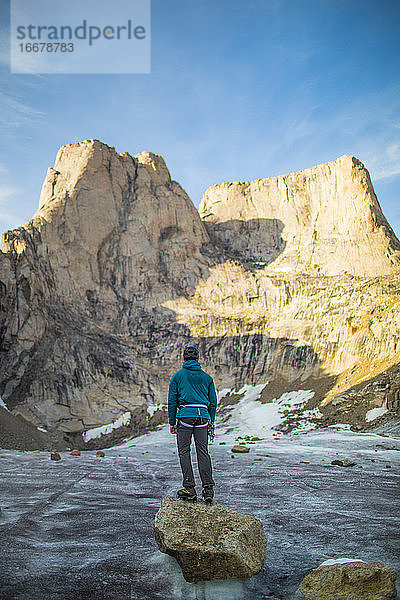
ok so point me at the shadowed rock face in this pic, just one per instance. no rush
(210, 542)
(291, 279)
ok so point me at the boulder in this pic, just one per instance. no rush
(240, 449)
(210, 542)
(343, 462)
(75, 453)
(355, 580)
(55, 456)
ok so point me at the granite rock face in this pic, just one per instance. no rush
(350, 581)
(321, 221)
(293, 280)
(210, 541)
(83, 284)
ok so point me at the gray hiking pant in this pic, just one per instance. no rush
(196, 426)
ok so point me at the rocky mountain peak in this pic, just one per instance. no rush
(291, 280)
(155, 167)
(323, 220)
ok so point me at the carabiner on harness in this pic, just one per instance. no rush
(211, 432)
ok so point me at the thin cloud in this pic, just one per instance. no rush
(8, 103)
(15, 115)
(387, 163)
(8, 197)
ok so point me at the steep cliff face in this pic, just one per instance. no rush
(311, 259)
(322, 221)
(293, 280)
(112, 222)
(113, 238)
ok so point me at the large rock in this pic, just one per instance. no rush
(275, 280)
(350, 581)
(210, 541)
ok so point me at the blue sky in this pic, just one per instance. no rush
(239, 90)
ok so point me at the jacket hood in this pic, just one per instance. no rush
(192, 365)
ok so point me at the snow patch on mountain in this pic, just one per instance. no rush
(251, 392)
(250, 415)
(374, 413)
(2, 404)
(96, 432)
(152, 408)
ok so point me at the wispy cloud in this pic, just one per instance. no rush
(8, 198)
(386, 163)
(14, 113)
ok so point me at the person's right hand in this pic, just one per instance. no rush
(172, 428)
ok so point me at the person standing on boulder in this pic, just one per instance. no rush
(192, 403)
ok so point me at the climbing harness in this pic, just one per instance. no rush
(210, 426)
(188, 424)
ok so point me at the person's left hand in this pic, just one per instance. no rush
(172, 428)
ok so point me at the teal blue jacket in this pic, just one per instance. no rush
(191, 385)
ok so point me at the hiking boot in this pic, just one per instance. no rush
(208, 494)
(185, 494)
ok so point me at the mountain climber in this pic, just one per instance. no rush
(192, 403)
